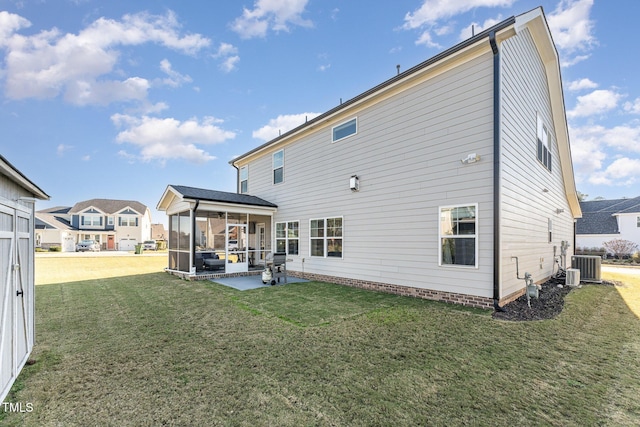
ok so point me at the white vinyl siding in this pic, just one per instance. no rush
(406, 153)
(534, 206)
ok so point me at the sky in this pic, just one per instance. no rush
(118, 99)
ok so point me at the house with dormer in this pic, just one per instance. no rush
(114, 224)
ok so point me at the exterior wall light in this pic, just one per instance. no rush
(354, 183)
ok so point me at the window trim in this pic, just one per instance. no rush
(543, 145)
(476, 236)
(325, 237)
(274, 168)
(286, 236)
(343, 124)
(244, 168)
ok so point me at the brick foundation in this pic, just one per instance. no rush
(449, 297)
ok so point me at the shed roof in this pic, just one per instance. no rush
(13, 174)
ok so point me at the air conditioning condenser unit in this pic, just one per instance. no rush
(573, 277)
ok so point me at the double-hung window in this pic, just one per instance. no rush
(278, 167)
(544, 148)
(91, 220)
(128, 221)
(459, 235)
(344, 130)
(638, 222)
(244, 179)
(326, 237)
(288, 237)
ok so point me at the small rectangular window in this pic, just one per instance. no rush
(244, 179)
(458, 235)
(638, 222)
(278, 167)
(345, 129)
(544, 150)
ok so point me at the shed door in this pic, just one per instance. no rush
(16, 303)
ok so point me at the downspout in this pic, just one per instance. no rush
(496, 171)
(193, 234)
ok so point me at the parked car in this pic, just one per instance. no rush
(88, 245)
(149, 245)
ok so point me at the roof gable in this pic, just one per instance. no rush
(13, 174)
(109, 206)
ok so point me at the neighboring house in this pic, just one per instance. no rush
(605, 220)
(430, 184)
(53, 229)
(17, 294)
(114, 224)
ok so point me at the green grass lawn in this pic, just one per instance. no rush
(151, 349)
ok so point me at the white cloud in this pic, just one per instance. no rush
(597, 102)
(9, 24)
(432, 11)
(282, 124)
(593, 145)
(571, 27)
(276, 15)
(49, 63)
(581, 84)
(633, 107)
(169, 138)
(62, 148)
(431, 17)
(174, 79)
(229, 55)
(622, 171)
(475, 28)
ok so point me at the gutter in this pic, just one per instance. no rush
(496, 171)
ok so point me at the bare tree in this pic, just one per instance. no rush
(620, 247)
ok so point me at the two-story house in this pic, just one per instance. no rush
(438, 183)
(114, 224)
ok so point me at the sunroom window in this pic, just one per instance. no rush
(345, 129)
(458, 235)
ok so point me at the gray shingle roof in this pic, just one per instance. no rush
(598, 215)
(50, 221)
(220, 196)
(109, 206)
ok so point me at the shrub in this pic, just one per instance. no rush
(55, 249)
(620, 247)
(636, 257)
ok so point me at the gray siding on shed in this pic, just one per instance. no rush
(526, 208)
(407, 154)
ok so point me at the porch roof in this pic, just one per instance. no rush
(192, 194)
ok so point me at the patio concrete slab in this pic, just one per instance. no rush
(244, 283)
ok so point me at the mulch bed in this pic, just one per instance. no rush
(548, 305)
